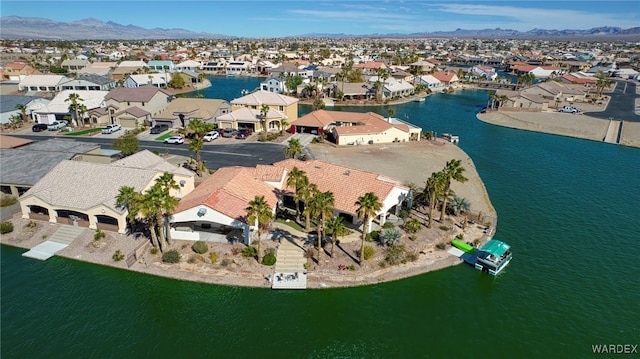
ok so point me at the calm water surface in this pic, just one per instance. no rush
(568, 207)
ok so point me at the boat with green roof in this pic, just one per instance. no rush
(492, 258)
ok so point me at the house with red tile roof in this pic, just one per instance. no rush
(447, 78)
(350, 128)
(216, 209)
(16, 71)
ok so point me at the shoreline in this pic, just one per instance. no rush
(246, 272)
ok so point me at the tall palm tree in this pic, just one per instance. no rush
(264, 110)
(166, 182)
(368, 206)
(337, 229)
(259, 212)
(297, 179)
(308, 191)
(23, 111)
(74, 98)
(321, 207)
(195, 145)
(149, 208)
(199, 128)
(602, 82)
(452, 172)
(434, 188)
(384, 75)
(293, 149)
(129, 199)
(284, 124)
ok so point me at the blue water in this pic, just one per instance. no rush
(568, 207)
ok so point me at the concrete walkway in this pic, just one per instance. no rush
(304, 138)
(613, 132)
(58, 241)
(289, 271)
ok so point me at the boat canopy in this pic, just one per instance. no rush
(495, 247)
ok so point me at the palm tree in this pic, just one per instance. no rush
(195, 145)
(297, 179)
(337, 229)
(259, 212)
(321, 206)
(384, 75)
(166, 182)
(308, 191)
(23, 111)
(199, 128)
(284, 124)
(368, 206)
(264, 110)
(459, 205)
(452, 171)
(149, 207)
(309, 89)
(390, 112)
(129, 199)
(434, 187)
(602, 82)
(293, 149)
(74, 98)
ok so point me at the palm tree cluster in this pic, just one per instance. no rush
(602, 82)
(319, 206)
(439, 186)
(153, 207)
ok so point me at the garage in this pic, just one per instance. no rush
(128, 122)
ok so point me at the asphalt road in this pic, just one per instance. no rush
(216, 155)
(622, 103)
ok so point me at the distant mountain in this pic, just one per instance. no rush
(16, 27)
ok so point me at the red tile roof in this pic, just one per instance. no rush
(347, 184)
(230, 189)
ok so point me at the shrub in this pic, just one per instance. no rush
(249, 252)
(411, 256)
(352, 268)
(213, 257)
(6, 227)
(31, 224)
(153, 250)
(118, 255)
(195, 258)
(269, 258)
(235, 250)
(388, 225)
(372, 236)
(403, 214)
(200, 247)
(368, 252)
(7, 200)
(395, 254)
(171, 256)
(412, 225)
(441, 245)
(226, 262)
(99, 235)
(444, 228)
(390, 236)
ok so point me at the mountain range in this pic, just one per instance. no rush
(16, 27)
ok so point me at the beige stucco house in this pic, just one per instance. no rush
(288, 106)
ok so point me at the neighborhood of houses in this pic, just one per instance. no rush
(134, 86)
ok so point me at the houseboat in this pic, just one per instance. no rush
(492, 258)
(451, 138)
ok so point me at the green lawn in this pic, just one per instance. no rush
(165, 136)
(83, 132)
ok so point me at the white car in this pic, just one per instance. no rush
(111, 128)
(175, 140)
(210, 136)
(568, 109)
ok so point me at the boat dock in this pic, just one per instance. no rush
(289, 270)
(470, 258)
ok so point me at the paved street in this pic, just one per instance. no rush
(622, 103)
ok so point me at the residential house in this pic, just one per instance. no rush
(447, 78)
(98, 68)
(354, 128)
(127, 68)
(182, 110)
(287, 106)
(236, 68)
(190, 65)
(42, 83)
(41, 156)
(58, 108)
(355, 90)
(89, 82)
(486, 72)
(421, 67)
(74, 65)
(17, 71)
(159, 80)
(273, 84)
(150, 99)
(252, 119)
(162, 65)
(371, 67)
(216, 209)
(10, 104)
(430, 82)
(214, 66)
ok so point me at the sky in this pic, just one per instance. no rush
(262, 18)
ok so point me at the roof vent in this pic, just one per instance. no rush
(347, 172)
(202, 212)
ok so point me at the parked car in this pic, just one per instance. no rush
(111, 128)
(229, 132)
(158, 129)
(57, 125)
(243, 133)
(39, 127)
(568, 109)
(175, 140)
(210, 136)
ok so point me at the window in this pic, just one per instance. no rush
(280, 108)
